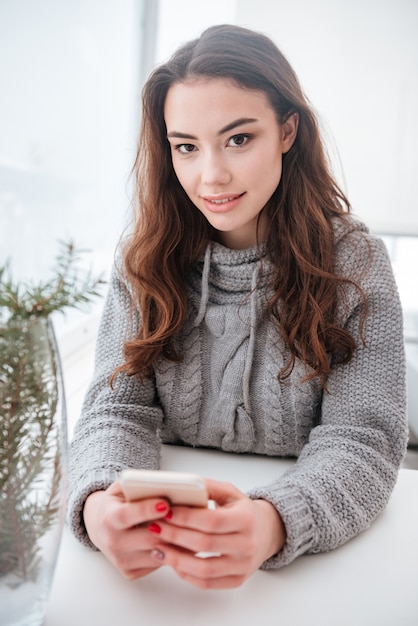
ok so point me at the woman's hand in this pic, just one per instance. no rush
(119, 529)
(242, 532)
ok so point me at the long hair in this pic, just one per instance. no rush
(170, 234)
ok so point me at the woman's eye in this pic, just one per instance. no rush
(238, 141)
(185, 148)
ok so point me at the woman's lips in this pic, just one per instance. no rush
(222, 203)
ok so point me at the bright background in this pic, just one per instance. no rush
(70, 80)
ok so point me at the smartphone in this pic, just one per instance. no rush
(178, 487)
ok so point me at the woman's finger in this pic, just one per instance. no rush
(226, 517)
(214, 572)
(123, 514)
(196, 541)
(222, 492)
(119, 529)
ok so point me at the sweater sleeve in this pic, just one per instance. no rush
(119, 427)
(346, 472)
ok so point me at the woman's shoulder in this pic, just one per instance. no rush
(362, 257)
(348, 228)
(356, 247)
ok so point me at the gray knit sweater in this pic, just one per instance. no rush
(225, 394)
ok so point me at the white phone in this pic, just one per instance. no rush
(178, 487)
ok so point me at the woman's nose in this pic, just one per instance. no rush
(215, 170)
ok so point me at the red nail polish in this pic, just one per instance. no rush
(169, 515)
(161, 507)
(154, 528)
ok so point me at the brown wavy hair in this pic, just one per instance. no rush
(170, 234)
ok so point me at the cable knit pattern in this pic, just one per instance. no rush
(225, 394)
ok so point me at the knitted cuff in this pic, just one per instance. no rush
(297, 518)
(93, 481)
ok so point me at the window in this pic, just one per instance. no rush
(70, 79)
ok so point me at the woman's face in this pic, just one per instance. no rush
(227, 149)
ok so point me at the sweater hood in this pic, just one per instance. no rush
(227, 273)
(225, 276)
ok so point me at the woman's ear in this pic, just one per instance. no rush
(289, 131)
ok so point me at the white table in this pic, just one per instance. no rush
(370, 581)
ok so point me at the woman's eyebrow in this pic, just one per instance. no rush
(178, 135)
(239, 122)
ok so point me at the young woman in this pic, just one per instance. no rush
(250, 313)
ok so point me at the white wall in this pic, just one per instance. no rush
(358, 63)
(182, 20)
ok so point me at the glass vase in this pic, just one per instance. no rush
(33, 468)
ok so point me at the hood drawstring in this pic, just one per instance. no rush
(253, 320)
(251, 342)
(205, 286)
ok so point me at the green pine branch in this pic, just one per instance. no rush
(67, 288)
(30, 475)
